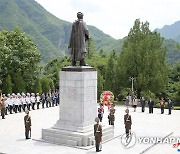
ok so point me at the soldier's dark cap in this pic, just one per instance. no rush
(80, 15)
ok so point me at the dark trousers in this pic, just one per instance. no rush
(111, 122)
(150, 109)
(43, 101)
(111, 119)
(162, 110)
(24, 107)
(98, 147)
(143, 108)
(27, 133)
(16, 108)
(127, 133)
(169, 110)
(33, 105)
(53, 102)
(100, 117)
(6, 112)
(47, 102)
(10, 109)
(19, 108)
(57, 101)
(3, 110)
(29, 106)
(38, 105)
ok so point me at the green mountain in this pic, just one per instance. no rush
(171, 31)
(49, 33)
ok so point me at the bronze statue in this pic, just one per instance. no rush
(77, 43)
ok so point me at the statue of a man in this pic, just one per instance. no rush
(77, 43)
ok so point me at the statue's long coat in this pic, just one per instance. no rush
(77, 43)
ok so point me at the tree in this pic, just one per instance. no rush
(52, 69)
(45, 84)
(143, 57)
(91, 47)
(173, 88)
(19, 84)
(110, 74)
(19, 55)
(7, 85)
(37, 86)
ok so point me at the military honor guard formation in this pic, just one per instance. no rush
(14, 103)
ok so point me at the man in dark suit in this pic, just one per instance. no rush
(97, 134)
(151, 104)
(169, 105)
(27, 123)
(143, 103)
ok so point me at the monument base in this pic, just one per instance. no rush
(78, 109)
(69, 138)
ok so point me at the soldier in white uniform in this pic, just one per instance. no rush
(8, 98)
(33, 100)
(10, 102)
(6, 104)
(13, 102)
(16, 103)
(23, 101)
(28, 101)
(38, 98)
(19, 102)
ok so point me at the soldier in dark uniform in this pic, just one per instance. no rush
(2, 106)
(111, 116)
(151, 104)
(127, 122)
(162, 105)
(27, 123)
(97, 134)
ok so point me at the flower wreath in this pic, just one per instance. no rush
(107, 97)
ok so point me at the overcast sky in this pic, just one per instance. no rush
(116, 17)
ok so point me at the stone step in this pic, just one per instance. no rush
(58, 136)
(61, 141)
(61, 137)
(107, 133)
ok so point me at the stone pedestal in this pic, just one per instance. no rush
(78, 108)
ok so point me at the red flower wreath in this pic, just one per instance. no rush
(107, 98)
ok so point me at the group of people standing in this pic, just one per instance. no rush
(14, 103)
(132, 100)
(111, 115)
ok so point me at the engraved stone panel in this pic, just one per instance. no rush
(90, 94)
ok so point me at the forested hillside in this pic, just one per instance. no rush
(49, 33)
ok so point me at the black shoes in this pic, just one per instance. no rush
(28, 138)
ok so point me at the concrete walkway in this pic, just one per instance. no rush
(12, 138)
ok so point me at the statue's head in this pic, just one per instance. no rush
(80, 15)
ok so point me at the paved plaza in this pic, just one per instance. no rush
(12, 138)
